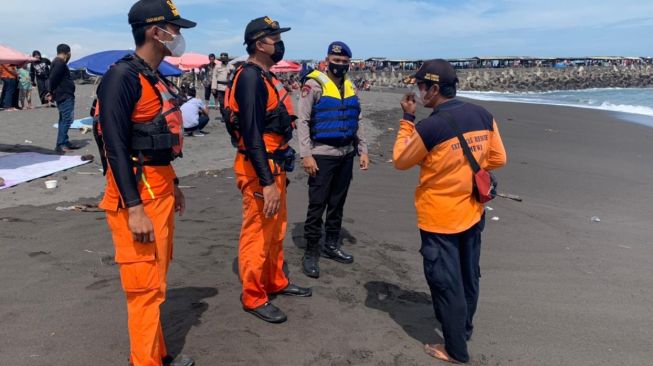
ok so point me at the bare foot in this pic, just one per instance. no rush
(438, 351)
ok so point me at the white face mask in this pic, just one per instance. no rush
(177, 46)
(420, 96)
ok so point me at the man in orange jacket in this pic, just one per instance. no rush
(261, 128)
(139, 131)
(449, 217)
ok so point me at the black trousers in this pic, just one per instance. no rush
(207, 94)
(452, 270)
(40, 83)
(328, 191)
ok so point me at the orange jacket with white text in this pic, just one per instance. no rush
(444, 199)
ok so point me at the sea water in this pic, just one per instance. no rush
(638, 102)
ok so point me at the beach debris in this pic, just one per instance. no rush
(595, 219)
(495, 218)
(552, 130)
(36, 254)
(509, 196)
(28, 142)
(88, 157)
(51, 184)
(389, 161)
(625, 247)
(80, 208)
(86, 129)
(187, 187)
(488, 208)
(390, 129)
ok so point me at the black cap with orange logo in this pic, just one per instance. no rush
(261, 27)
(148, 12)
(436, 71)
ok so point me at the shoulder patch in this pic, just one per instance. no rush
(306, 89)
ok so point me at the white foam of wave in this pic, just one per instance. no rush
(529, 98)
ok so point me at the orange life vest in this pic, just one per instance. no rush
(279, 123)
(157, 141)
(279, 119)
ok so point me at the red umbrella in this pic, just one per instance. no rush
(286, 66)
(9, 55)
(189, 61)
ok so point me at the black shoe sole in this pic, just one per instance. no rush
(309, 294)
(273, 321)
(310, 274)
(337, 259)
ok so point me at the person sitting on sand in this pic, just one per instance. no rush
(449, 216)
(196, 115)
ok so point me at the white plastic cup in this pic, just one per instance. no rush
(50, 184)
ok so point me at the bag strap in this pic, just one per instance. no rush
(463, 143)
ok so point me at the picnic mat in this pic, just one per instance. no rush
(24, 167)
(79, 123)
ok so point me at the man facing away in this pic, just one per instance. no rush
(449, 217)
(139, 132)
(261, 127)
(329, 138)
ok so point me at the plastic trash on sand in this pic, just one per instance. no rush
(595, 219)
(495, 218)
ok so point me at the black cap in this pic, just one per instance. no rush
(436, 71)
(261, 27)
(147, 12)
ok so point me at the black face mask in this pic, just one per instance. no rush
(338, 70)
(279, 51)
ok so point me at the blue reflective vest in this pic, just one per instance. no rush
(334, 119)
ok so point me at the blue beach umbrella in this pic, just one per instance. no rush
(99, 63)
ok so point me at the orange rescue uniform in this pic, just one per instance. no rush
(143, 266)
(260, 254)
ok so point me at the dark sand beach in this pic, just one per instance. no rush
(556, 288)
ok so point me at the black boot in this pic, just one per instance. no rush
(332, 251)
(310, 261)
(269, 313)
(181, 360)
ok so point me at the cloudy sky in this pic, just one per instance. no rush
(390, 28)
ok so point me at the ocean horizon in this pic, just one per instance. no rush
(635, 101)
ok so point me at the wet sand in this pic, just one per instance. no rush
(556, 289)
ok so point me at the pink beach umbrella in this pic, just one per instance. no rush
(189, 61)
(286, 66)
(12, 56)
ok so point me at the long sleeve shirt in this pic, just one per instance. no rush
(251, 95)
(125, 97)
(220, 76)
(40, 70)
(311, 93)
(443, 199)
(60, 83)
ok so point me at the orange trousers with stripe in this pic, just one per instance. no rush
(143, 271)
(260, 253)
